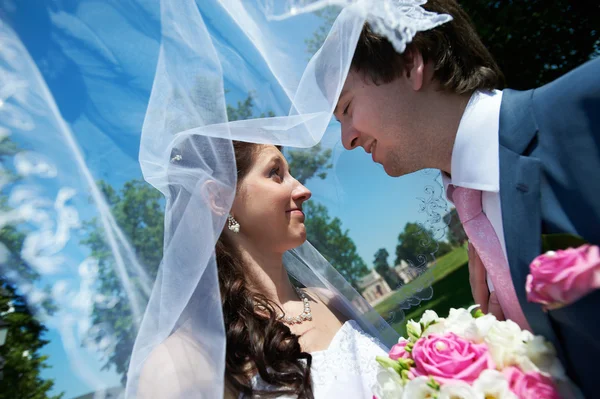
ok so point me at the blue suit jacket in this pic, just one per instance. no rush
(550, 183)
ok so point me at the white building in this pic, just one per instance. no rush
(404, 271)
(373, 287)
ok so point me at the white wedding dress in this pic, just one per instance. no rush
(347, 368)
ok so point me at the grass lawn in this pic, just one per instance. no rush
(449, 278)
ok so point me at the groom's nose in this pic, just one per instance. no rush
(349, 136)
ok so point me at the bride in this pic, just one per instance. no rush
(242, 305)
(281, 338)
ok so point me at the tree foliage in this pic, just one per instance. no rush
(328, 16)
(20, 358)
(536, 41)
(137, 209)
(415, 242)
(380, 263)
(306, 164)
(455, 235)
(23, 362)
(334, 243)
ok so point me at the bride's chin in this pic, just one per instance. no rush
(300, 237)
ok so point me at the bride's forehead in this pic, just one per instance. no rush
(267, 153)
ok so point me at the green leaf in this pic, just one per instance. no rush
(386, 362)
(433, 384)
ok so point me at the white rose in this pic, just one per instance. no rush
(389, 384)
(543, 355)
(414, 330)
(438, 327)
(463, 324)
(484, 324)
(505, 342)
(419, 389)
(493, 384)
(429, 317)
(459, 390)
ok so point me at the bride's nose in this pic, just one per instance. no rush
(301, 193)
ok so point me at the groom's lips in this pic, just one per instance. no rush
(369, 148)
(372, 150)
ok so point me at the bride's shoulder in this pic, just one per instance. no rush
(176, 367)
(325, 295)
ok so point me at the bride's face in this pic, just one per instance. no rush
(268, 203)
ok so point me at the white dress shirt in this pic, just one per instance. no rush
(475, 156)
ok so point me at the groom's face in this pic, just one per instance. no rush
(383, 120)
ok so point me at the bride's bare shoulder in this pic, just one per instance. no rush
(176, 368)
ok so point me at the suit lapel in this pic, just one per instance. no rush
(520, 196)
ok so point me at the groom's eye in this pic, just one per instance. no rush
(346, 109)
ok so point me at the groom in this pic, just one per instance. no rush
(530, 159)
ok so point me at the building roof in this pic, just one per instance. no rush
(368, 279)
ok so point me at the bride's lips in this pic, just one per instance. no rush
(297, 212)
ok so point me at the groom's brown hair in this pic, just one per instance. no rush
(461, 62)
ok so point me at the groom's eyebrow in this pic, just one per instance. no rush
(342, 94)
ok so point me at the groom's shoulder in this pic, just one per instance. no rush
(573, 99)
(573, 87)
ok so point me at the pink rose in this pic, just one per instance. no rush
(530, 385)
(398, 351)
(562, 277)
(450, 357)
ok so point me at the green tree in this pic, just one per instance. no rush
(334, 243)
(245, 110)
(381, 257)
(137, 209)
(21, 352)
(314, 162)
(380, 263)
(416, 244)
(455, 235)
(20, 359)
(328, 16)
(536, 41)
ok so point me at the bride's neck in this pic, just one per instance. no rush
(268, 275)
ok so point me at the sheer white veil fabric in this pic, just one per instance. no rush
(186, 153)
(75, 251)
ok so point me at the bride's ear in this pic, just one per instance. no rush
(217, 197)
(414, 68)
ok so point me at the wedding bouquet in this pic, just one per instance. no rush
(472, 356)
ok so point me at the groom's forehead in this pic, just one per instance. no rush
(346, 88)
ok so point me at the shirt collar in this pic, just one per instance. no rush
(475, 161)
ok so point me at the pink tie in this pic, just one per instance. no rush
(483, 237)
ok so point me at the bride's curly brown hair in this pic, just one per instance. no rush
(257, 343)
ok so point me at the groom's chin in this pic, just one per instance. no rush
(392, 172)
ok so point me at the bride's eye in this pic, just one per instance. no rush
(274, 173)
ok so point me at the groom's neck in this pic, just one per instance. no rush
(444, 122)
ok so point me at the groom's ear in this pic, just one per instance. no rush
(414, 68)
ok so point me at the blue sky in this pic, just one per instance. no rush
(98, 60)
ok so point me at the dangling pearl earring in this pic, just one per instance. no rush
(233, 224)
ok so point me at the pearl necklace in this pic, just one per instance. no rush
(305, 315)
